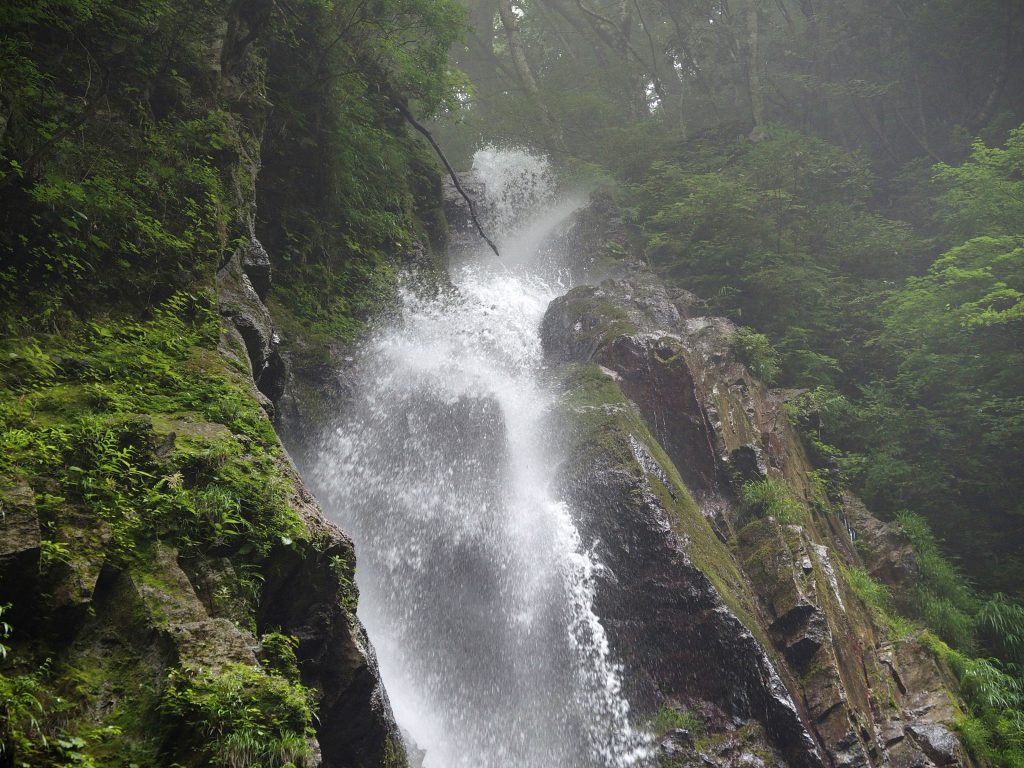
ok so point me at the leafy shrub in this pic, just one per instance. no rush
(943, 617)
(21, 712)
(994, 729)
(769, 498)
(941, 596)
(670, 719)
(278, 651)
(240, 717)
(757, 353)
(1000, 628)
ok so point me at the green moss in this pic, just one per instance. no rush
(770, 497)
(710, 742)
(612, 321)
(879, 600)
(344, 570)
(601, 423)
(677, 718)
(394, 754)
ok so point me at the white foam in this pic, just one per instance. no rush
(475, 586)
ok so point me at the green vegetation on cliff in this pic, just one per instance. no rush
(150, 516)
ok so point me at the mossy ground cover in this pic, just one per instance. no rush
(670, 719)
(138, 433)
(91, 421)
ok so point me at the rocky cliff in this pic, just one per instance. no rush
(171, 593)
(730, 559)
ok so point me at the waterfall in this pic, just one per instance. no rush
(475, 585)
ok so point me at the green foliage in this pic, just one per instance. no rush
(936, 423)
(756, 352)
(879, 600)
(98, 207)
(53, 552)
(779, 235)
(33, 730)
(71, 424)
(20, 730)
(937, 573)
(769, 497)
(944, 601)
(349, 188)
(993, 730)
(278, 651)
(874, 594)
(941, 596)
(670, 719)
(1000, 627)
(985, 195)
(344, 571)
(239, 717)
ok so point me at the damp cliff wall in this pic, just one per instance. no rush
(188, 206)
(732, 562)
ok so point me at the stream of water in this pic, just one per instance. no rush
(475, 586)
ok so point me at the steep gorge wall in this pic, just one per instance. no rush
(744, 621)
(174, 593)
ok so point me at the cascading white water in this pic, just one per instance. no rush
(474, 584)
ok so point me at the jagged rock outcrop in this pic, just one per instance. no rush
(241, 305)
(739, 618)
(671, 596)
(308, 590)
(122, 624)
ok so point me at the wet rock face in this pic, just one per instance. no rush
(461, 229)
(302, 596)
(669, 623)
(241, 305)
(619, 326)
(743, 747)
(592, 247)
(667, 620)
(760, 614)
(654, 375)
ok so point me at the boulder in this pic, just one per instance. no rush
(20, 543)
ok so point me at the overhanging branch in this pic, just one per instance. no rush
(404, 110)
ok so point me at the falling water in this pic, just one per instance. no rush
(474, 583)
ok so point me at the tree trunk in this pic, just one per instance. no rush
(754, 83)
(525, 74)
